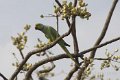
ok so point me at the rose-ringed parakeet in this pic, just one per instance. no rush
(52, 35)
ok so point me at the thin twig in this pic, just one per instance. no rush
(21, 53)
(76, 48)
(57, 21)
(3, 76)
(107, 59)
(58, 3)
(101, 45)
(102, 58)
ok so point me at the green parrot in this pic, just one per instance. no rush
(52, 35)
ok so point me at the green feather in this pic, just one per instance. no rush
(52, 35)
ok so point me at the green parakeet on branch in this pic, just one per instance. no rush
(52, 35)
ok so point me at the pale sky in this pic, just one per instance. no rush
(15, 14)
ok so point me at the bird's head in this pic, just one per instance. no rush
(39, 26)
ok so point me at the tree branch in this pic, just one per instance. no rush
(81, 71)
(75, 68)
(106, 25)
(37, 51)
(72, 71)
(91, 49)
(75, 43)
(100, 37)
(76, 47)
(48, 69)
(99, 46)
(61, 56)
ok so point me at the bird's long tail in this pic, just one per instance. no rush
(68, 53)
